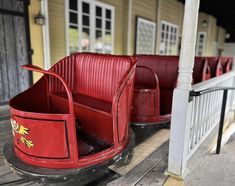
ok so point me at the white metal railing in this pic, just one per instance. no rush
(193, 123)
(206, 109)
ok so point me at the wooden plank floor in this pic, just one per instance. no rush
(148, 172)
(143, 150)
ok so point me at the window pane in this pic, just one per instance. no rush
(107, 43)
(99, 11)
(98, 41)
(85, 8)
(98, 23)
(85, 40)
(73, 4)
(73, 18)
(73, 39)
(108, 14)
(98, 34)
(85, 20)
(107, 25)
(101, 20)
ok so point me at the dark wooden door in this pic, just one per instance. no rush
(14, 48)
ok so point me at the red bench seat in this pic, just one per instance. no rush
(153, 99)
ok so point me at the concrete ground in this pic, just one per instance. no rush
(215, 170)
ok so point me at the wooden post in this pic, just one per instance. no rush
(181, 108)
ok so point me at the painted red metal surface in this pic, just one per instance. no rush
(146, 102)
(201, 70)
(215, 66)
(83, 94)
(153, 90)
(226, 63)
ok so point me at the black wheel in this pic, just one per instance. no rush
(126, 159)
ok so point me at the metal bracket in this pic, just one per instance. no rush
(192, 94)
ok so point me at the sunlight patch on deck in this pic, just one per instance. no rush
(143, 150)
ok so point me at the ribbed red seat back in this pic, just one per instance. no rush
(144, 78)
(226, 63)
(214, 64)
(166, 68)
(95, 75)
(199, 67)
(66, 69)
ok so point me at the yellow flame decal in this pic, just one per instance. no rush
(23, 130)
(28, 143)
(20, 129)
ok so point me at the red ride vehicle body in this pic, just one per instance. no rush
(82, 98)
(201, 70)
(155, 81)
(215, 66)
(226, 63)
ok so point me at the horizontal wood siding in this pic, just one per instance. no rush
(119, 30)
(146, 10)
(221, 38)
(211, 36)
(202, 17)
(56, 10)
(211, 32)
(171, 11)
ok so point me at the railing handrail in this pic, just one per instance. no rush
(223, 108)
(194, 93)
(213, 81)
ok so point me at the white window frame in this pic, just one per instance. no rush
(203, 44)
(92, 17)
(139, 20)
(167, 50)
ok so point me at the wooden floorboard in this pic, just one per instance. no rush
(156, 176)
(143, 150)
(155, 162)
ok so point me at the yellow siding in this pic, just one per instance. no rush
(181, 17)
(171, 11)
(56, 10)
(202, 17)
(125, 26)
(211, 36)
(36, 37)
(147, 10)
(211, 32)
(119, 24)
(221, 38)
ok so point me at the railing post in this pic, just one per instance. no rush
(221, 124)
(232, 97)
(181, 108)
